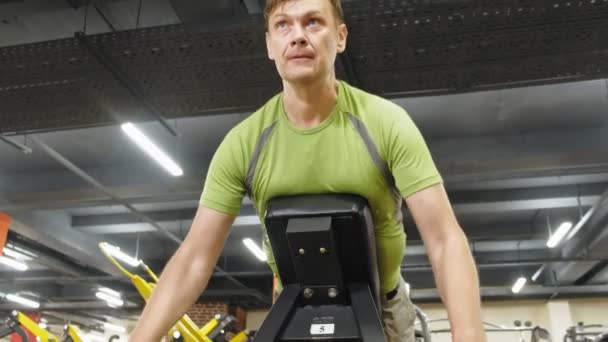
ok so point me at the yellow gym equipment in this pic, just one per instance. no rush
(41, 334)
(73, 333)
(243, 336)
(185, 326)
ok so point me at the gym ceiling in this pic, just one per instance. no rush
(511, 96)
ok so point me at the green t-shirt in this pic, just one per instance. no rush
(366, 145)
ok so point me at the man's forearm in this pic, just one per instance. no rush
(457, 280)
(179, 285)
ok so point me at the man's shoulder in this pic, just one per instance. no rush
(370, 107)
(265, 116)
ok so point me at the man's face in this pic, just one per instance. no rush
(303, 39)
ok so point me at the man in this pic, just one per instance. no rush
(323, 136)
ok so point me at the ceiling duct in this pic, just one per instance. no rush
(587, 239)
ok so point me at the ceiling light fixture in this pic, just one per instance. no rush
(23, 301)
(519, 284)
(151, 149)
(18, 253)
(120, 255)
(110, 292)
(18, 265)
(111, 300)
(559, 234)
(538, 273)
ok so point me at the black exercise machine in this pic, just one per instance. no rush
(13, 326)
(324, 248)
(587, 333)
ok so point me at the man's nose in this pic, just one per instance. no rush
(299, 37)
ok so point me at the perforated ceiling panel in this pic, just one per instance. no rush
(58, 84)
(395, 48)
(406, 48)
(188, 73)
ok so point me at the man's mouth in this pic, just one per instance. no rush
(301, 57)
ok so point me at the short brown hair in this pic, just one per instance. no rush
(271, 5)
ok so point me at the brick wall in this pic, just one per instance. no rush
(202, 313)
(241, 316)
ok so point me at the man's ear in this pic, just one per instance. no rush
(270, 56)
(342, 35)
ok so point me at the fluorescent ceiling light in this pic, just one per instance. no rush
(248, 220)
(114, 327)
(581, 222)
(519, 284)
(17, 253)
(151, 149)
(109, 299)
(253, 248)
(538, 273)
(559, 234)
(18, 265)
(120, 255)
(23, 301)
(42, 325)
(110, 292)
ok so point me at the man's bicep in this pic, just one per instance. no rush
(432, 214)
(210, 228)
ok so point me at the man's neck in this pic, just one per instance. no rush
(308, 105)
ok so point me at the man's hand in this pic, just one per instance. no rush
(451, 260)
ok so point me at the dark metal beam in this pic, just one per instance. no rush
(489, 162)
(25, 279)
(86, 177)
(528, 292)
(87, 305)
(509, 263)
(103, 16)
(52, 230)
(22, 148)
(52, 262)
(73, 4)
(60, 279)
(464, 203)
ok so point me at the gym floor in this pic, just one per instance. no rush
(511, 96)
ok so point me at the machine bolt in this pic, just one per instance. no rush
(332, 292)
(323, 250)
(302, 251)
(308, 292)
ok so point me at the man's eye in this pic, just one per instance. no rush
(281, 24)
(313, 22)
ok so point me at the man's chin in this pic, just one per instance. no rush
(302, 77)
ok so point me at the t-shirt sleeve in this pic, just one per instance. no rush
(409, 158)
(225, 183)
